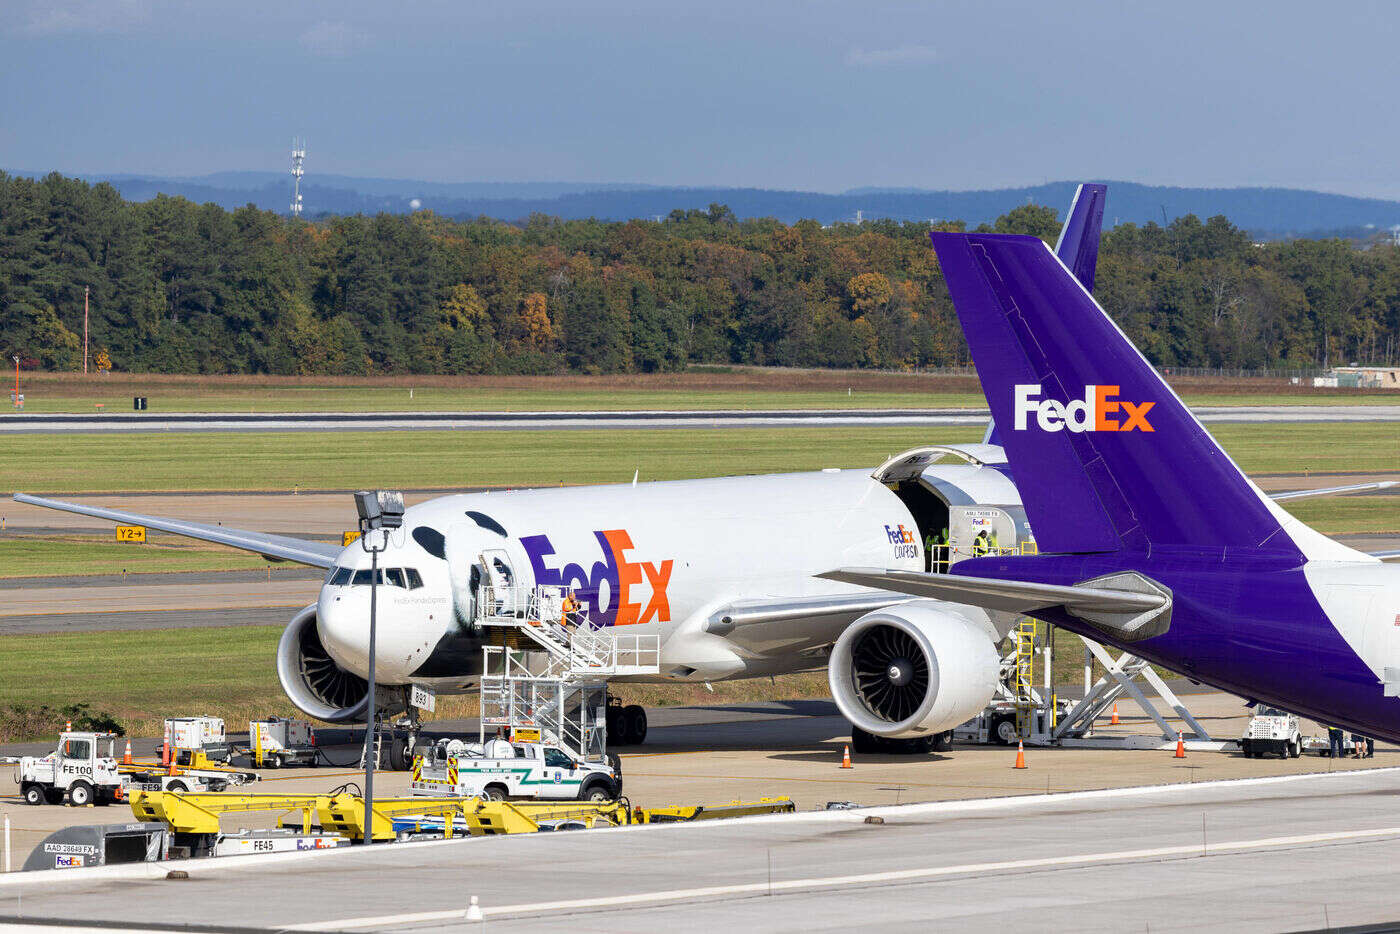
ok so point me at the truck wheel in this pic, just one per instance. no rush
(595, 793)
(274, 761)
(494, 793)
(1295, 748)
(34, 794)
(80, 794)
(176, 786)
(636, 718)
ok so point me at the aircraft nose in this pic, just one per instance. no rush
(342, 621)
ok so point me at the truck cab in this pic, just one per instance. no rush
(536, 771)
(1271, 730)
(82, 768)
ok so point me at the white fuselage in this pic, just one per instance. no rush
(660, 558)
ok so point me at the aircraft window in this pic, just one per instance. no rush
(503, 569)
(340, 577)
(395, 576)
(431, 540)
(414, 581)
(362, 577)
(486, 522)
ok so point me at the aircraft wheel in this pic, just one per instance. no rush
(636, 718)
(943, 741)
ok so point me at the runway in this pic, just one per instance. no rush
(1214, 856)
(626, 420)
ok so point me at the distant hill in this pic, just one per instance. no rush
(1265, 212)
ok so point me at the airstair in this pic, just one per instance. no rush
(552, 682)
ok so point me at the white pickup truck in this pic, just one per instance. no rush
(536, 771)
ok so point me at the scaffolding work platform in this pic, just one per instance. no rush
(550, 682)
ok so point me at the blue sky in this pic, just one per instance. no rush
(820, 96)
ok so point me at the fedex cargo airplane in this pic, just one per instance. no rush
(1151, 538)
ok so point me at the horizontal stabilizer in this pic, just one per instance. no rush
(1386, 555)
(283, 547)
(1128, 605)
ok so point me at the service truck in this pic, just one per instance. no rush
(198, 734)
(537, 770)
(277, 742)
(1272, 730)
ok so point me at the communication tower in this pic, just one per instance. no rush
(298, 158)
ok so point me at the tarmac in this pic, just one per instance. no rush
(1299, 852)
(630, 420)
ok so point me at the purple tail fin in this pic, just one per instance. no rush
(1106, 456)
(1079, 237)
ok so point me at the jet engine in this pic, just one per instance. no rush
(914, 670)
(315, 683)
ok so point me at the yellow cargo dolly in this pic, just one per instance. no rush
(344, 813)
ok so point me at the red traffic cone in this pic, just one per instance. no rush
(1114, 721)
(1020, 755)
(1180, 748)
(846, 757)
(126, 756)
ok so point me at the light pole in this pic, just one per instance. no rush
(16, 359)
(380, 510)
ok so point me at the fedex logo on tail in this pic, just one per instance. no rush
(1099, 410)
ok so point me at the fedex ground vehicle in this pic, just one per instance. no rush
(535, 770)
(82, 768)
(1272, 730)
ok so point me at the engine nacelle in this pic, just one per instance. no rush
(316, 684)
(913, 670)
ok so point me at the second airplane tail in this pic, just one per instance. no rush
(1107, 457)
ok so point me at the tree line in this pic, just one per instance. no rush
(178, 287)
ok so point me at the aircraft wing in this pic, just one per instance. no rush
(753, 612)
(1333, 490)
(1008, 595)
(1386, 555)
(281, 547)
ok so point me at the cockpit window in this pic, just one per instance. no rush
(431, 540)
(395, 576)
(414, 581)
(339, 576)
(486, 522)
(362, 577)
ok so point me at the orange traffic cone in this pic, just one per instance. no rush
(1020, 755)
(1114, 721)
(846, 757)
(1180, 748)
(165, 752)
(172, 770)
(126, 756)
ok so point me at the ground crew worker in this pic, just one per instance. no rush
(569, 608)
(500, 747)
(942, 550)
(1336, 740)
(980, 544)
(1357, 740)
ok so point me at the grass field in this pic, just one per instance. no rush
(451, 460)
(699, 388)
(54, 555)
(143, 677)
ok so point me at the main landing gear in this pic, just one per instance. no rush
(627, 726)
(870, 744)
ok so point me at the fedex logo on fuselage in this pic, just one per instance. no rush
(622, 576)
(1097, 411)
(899, 535)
